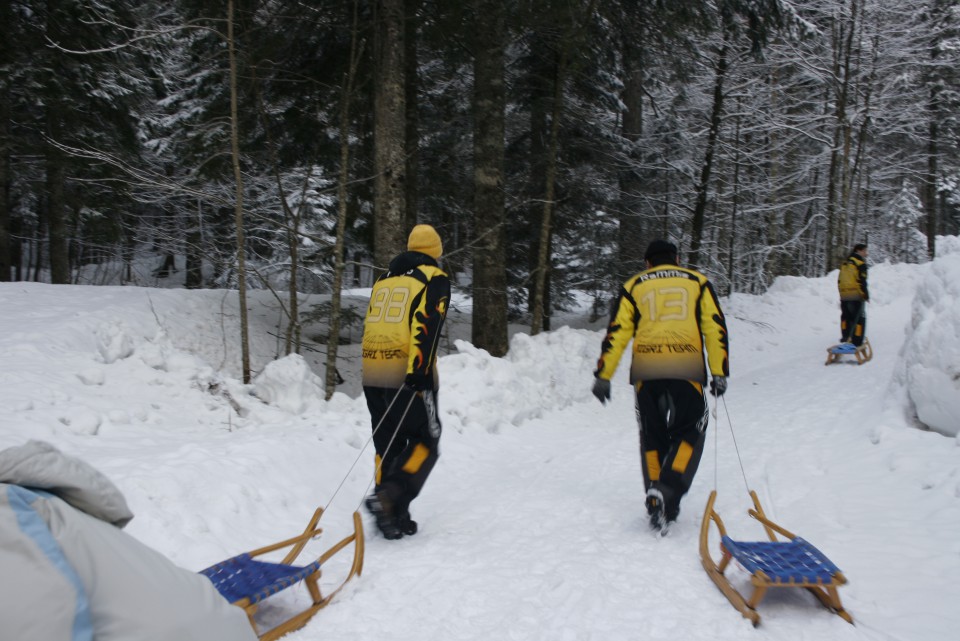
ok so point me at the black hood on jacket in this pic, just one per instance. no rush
(410, 260)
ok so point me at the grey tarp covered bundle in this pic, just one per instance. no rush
(68, 572)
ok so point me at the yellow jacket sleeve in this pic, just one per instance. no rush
(426, 322)
(620, 332)
(713, 326)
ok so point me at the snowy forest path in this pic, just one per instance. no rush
(545, 527)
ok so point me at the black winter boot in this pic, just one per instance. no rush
(407, 525)
(381, 507)
(655, 508)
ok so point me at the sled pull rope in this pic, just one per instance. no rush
(396, 430)
(716, 443)
(736, 447)
(362, 449)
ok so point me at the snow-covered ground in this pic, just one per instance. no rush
(532, 525)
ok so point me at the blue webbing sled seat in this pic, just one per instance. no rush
(245, 581)
(863, 353)
(792, 562)
(243, 577)
(843, 348)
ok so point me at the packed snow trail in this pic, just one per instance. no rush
(541, 531)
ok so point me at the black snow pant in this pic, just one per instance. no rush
(853, 321)
(407, 450)
(673, 420)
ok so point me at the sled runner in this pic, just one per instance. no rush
(863, 353)
(788, 563)
(246, 582)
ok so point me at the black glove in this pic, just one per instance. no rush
(416, 382)
(601, 389)
(718, 385)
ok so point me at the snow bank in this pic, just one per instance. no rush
(550, 370)
(288, 383)
(930, 358)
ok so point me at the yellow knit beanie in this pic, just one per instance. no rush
(426, 240)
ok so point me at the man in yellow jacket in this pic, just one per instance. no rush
(671, 314)
(401, 334)
(852, 283)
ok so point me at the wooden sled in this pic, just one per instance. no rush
(789, 563)
(245, 582)
(863, 353)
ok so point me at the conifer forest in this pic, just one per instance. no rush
(293, 144)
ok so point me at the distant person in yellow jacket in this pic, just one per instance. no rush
(401, 334)
(852, 283)
(670, 313)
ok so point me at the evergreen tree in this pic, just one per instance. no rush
(70, 91)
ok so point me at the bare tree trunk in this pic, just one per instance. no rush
(294, 329)
(839, 154)
(930, 186)
(331, 377)
(389, 134)
(489, 325)
(412, 120)
(6, 143)
(539, 134)
(575, 26)
(543, 255)
(632, 204)
(128, 245)
(194, 238)
(847, 166)
(6, 239)
(55, 211)
(860, 210)
(35, 260)
(775, 217)
(238, 205)
(734, 207)
(703, 185)
(291, 219)
(835, 221)
(56, 204)
(929, 189)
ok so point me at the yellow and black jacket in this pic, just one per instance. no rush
(402, 327)
(852, 281)
(670, 313)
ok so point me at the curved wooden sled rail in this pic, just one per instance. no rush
(824, 590)
(250, 604)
